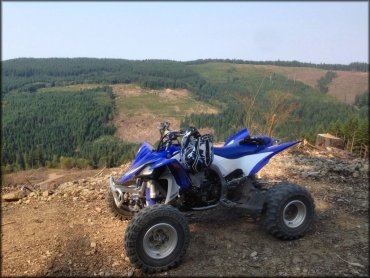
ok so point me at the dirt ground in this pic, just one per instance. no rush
(74, 234)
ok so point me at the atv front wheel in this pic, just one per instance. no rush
(122, 213)
(288, 211)
(156, 238)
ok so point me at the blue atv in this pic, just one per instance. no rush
(187, 173)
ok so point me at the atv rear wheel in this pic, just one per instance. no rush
(122, 213)
(288, 211)
(156, 238)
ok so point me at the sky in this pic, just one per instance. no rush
(316, 32)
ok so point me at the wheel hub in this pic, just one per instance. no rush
(160, 241)
(294, 213)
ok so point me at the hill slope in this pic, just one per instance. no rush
(222, 97)
(345, 87)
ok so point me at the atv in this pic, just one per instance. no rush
(187, 173)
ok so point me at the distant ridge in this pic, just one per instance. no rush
(355, 66)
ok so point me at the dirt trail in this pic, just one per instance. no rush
(71, 232)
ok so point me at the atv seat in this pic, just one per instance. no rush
(237, 150)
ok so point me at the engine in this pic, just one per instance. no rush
(205, 189)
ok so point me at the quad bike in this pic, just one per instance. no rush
(191, 175)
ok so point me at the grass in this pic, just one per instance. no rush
(134, 100)
(224, 72)
(159, 106)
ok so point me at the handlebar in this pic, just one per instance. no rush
(167, 135)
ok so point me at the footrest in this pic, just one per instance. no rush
(227, 203)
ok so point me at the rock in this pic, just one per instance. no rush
(98, 209)
(356, 174)
(365, 168)
(304, 175)
(254, 254)
(45, 193)
(310, 174)
(85, 192)
(75, 199)
(93, 244)
(130, 273)
(115, 264)
(27, 201)
(14, 196)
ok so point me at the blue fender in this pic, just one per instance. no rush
(275, 149)
(240, 135)
(156, 160)
(176, 169)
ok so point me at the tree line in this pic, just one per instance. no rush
(355, 66)
(323, 82)
(30, 74)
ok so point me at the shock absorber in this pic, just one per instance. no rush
(151, 192)
(152, 189)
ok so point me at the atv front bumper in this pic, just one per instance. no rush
(120, 190)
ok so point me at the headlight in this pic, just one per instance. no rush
(146, 171)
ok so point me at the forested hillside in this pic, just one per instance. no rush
(45, 129)
(254, 96)
(46, 125)
(29, 74)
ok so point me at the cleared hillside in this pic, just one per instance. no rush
(140, 110)
(345, 86)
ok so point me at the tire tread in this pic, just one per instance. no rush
(135, 225)
(273, 200)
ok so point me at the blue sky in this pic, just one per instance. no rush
(317, 32)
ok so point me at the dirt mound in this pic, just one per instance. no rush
(68, 231)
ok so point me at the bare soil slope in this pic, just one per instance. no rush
(141, 110)
(347, 85)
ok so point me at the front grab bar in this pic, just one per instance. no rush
(119, 190)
